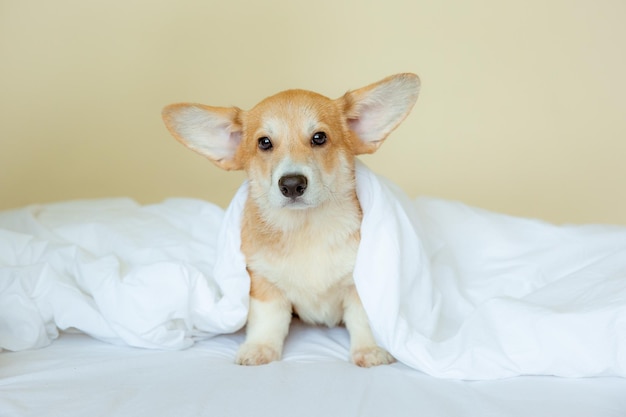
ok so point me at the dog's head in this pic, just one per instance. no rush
(297, 147)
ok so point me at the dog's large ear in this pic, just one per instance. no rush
(214, 132)
(376, 110)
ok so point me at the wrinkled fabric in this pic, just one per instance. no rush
(451, 290)
(460, 292)
(120, 272)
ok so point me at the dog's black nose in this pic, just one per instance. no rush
(292, 185)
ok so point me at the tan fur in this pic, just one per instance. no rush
(300, 248)
(262, 289)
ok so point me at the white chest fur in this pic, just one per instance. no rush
(313, 264)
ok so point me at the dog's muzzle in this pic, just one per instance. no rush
(293, 185)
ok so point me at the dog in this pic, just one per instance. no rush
(301, 223)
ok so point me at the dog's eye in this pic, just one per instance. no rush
(318, 139)
(265, 144)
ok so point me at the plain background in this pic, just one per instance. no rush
(522, 108)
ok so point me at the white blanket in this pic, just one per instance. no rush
(450, 290)
(122, 273)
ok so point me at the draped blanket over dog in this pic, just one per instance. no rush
(450, 290)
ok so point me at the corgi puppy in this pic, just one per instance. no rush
(301, 222)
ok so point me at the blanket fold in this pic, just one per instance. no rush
(122, 273)
(451, 290)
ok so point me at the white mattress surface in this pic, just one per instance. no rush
(80, 376)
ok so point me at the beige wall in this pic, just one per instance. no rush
(522, 110)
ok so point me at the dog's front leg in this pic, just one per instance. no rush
(269, 316)
(363, 348)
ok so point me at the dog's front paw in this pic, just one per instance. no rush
(256, 354)
(371, 356)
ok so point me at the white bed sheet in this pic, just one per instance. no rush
(80, 376)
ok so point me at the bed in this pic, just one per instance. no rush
(80, 376)
(109, 307)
